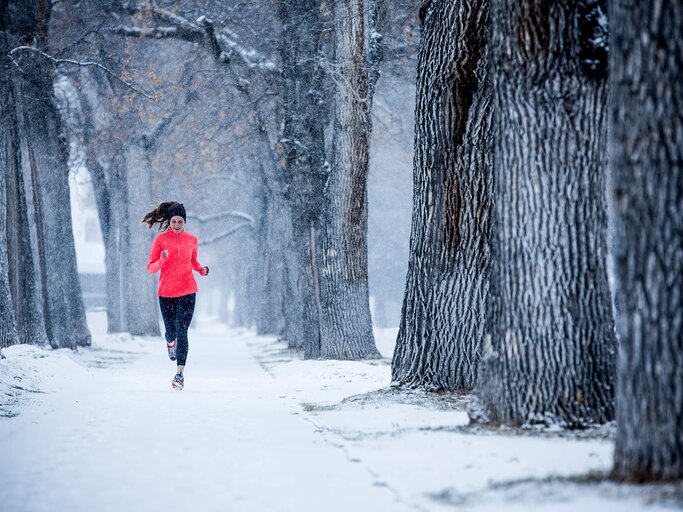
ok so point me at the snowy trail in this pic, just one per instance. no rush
(258, 428)
(118, 438)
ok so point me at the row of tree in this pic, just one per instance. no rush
(295, 79)
(507, 289)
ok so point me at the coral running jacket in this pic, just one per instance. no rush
(176, 277)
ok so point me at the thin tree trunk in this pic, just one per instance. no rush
(270, 316)
(141, 299)
(109, 230)
(243, 283)
(293, 330)
(646, 160)
(346, 325)
(442, 323)
(8, 327)
(8, 157)
(23, 275)
(107, 187)
(552, 350)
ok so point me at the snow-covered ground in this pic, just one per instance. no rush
(259, 429)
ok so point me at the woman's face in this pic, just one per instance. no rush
(177, 224)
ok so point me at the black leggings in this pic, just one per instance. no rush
(177, 313)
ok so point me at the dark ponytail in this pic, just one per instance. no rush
(160, 215)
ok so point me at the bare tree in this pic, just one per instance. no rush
(305, 164)
(646, 163)
(551, 348)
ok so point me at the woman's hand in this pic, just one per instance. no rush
(205, 271)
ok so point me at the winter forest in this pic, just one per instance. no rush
(445, 242)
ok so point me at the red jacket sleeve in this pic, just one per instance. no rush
(195, 263)
(155, 262)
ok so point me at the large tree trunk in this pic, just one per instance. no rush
(141, 298)
(26, 293)
(646, 158)
(442, 324)
(305, 98)
(345, 322)
(46, 160)
(552, 350)
(24, 285)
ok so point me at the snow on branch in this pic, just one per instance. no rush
(171, 17)
(223, 215)
(231, 231)
(224, 44)
(194, 36)
(79, 63)
(249, 56)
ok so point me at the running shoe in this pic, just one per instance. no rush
(178, 382)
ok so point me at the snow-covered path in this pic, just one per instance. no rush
(119, 439)
(259, 429)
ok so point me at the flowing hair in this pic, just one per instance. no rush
(159, 215)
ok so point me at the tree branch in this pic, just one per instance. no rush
(223, 44)
(214, 46)
(193, 36)
(79, 63)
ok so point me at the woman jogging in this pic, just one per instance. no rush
(174, 252)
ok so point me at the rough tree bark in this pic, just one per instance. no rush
(345, 322)
(646, 192)
(551, 353)
(442, 322)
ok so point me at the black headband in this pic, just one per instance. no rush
(177, 209)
